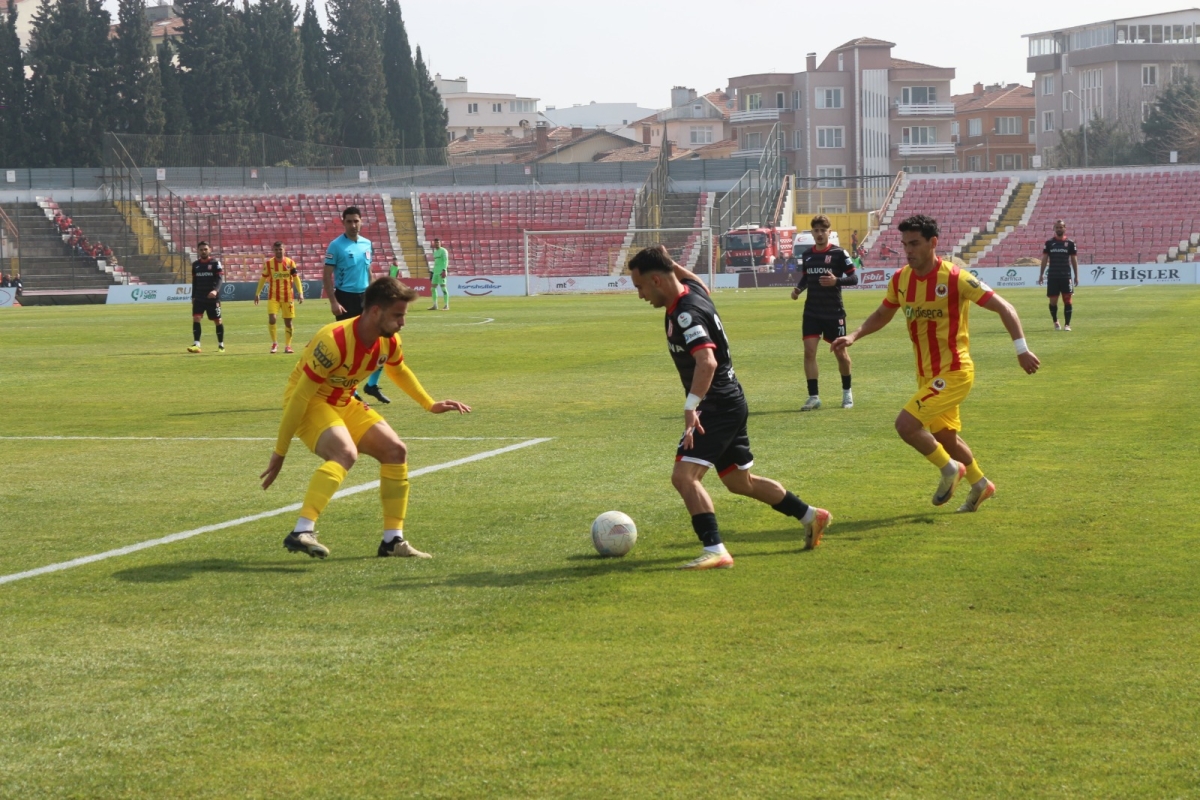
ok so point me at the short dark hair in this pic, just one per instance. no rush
(652, 259)
(278, 244)
(351, 210)
(820, 221)
(202, 244)
(385, 291)
(926, 226)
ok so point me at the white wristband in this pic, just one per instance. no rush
(692, 402)
(1021, 346)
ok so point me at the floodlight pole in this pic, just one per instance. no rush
(525, 257)
(1082, 123)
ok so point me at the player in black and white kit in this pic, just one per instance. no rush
(207, 277)
(824, 270)
(1062, 257)
(715, 413)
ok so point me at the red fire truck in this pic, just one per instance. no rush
(755, 247)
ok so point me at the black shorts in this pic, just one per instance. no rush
(725, 443)
(1056, 286)
(351, 301)
(205, 305)
(827, 329)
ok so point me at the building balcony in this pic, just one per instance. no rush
(925, 109)
(931, 149)
(757, 115)
(750, 153)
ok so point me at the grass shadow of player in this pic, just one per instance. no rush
(850, 530)
(185, 570)
(223, 411)
(586, 567)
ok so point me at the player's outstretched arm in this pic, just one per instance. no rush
(879, 318)
(406, 379)
(1012, 323)
(293, 415)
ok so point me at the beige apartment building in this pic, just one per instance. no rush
(860, 112)
(476, 113)
(1112, 69)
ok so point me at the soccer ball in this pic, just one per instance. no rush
(613, 534)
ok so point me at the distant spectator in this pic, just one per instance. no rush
(15, 283)
(854, 242)
(4, 283)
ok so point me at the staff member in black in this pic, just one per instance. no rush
(697, 344)
(824, 270)
(1062, 257)
(207, 277)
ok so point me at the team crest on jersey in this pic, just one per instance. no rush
(685, 319)
(828, 259)
(670, 328)
(938, 384)
(941, 290)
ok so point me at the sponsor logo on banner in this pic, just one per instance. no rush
(479, 287)
(872, 279)
(1010, 278)
(227, 291)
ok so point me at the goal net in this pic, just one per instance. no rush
(588, 261)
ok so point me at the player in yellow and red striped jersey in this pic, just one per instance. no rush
(320, 408)
(286, 290)
(936, 297)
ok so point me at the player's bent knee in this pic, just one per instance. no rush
(907, 424)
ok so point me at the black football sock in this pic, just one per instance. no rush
(845, 383)
(792, 506)
(812, 387)
(705, 526)
(1067, 313)
(196, 331)
(220, 334)
(1054, 312)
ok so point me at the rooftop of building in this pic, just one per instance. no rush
(1007, 96)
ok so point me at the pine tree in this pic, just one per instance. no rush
(1174, 123)
(212, 73)
(12, 92)
(434, 114)
(362, 118)
(282, 106)
(317, 74)
(139, 107)
(174, 111)
(403, 93)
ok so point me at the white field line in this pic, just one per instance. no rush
(175, 537)
(229, 438)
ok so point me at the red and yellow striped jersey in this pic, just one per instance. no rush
(337, 361)
(283, 278)
(936, 308)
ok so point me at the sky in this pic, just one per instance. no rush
(635, 51)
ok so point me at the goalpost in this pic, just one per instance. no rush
(590, 261)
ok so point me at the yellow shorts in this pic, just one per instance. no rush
(320, 417)
(937, 400)
(288, 309)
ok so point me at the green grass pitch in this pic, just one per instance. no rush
(1044, 647)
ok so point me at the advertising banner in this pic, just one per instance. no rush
(486, 286)
(751, 280)
(244, 290)
(160, 293)
(1131, 274)
(581, 284)
(7, 297)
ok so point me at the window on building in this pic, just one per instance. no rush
(830, 137)
(701, 134)
(779, 100)
(472, 108)
(975, 127)
(1047, 121)
(522, 106)
(829, 98)
(1008, 126)
(840, 62)
(973, 163)
(925, 134)
(1149, 75)
(921, 169)
(831, 177)
(796, 100)
(752, 141)
(1031, 125)
(954, 130)
(1179, 73)
(797, 140)
(1047, 85)
(497, 108)
(1008, 161)
(918, 95)
(753, 102)
(1066, 98)
(1092, 82)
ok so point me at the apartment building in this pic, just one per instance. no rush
(474, 113)
(994, 128)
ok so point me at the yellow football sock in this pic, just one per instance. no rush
(393, 491)
(271, 328)
(287, 335)
(974, 473)
(939, 457)
(325, 481)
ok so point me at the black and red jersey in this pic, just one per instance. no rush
(693, 325)
(825, 302)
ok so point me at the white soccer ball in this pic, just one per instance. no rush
(613, 534)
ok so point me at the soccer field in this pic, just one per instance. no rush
(1044, 647)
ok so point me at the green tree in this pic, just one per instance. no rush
(175, 116)
(1174, 123)
(139, 107)
(318, 78)
(357, 58)
(282, 106)
(434, 114)
(403, 93)
(1106, 144)
(212, 72)
(13, 107)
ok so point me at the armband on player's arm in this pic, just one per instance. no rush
(293, 412)
(404, 377)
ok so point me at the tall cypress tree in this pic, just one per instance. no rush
(175, 116)
(362, 117)
(434, 114)
(139, 106)
(212, 73)
(273, 60)
(403, 93)
(317, 76)
(13, 107)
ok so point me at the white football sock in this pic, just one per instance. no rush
(951, 468)
(979, 485)
(809, 516)
(392, 534)
(305, 525)
(716, 548)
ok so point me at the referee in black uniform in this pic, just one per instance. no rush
(1062, 257)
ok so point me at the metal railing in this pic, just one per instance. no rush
(753, 199)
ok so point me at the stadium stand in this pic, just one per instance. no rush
(243, 228)
(1114, 217)
(484, 229)
(958, 204)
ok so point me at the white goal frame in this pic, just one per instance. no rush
(629, 236)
